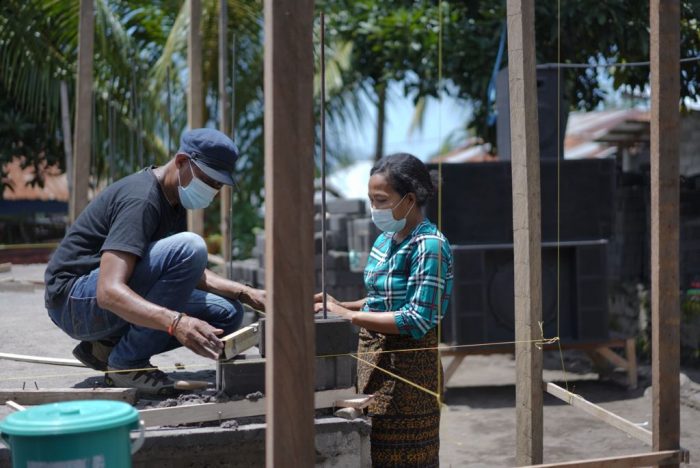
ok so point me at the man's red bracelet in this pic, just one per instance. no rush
(173, 324)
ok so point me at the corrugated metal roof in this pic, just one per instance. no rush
(585, 136)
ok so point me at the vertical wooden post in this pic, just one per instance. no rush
(83, 111)
(67, 134)
(665, 304)
(195, 95)
(225, 127)
(526, 229)
(289, 267)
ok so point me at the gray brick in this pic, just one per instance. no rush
(333, 336)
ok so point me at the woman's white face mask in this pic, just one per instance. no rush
(384, 218)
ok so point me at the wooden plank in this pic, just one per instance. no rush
(39, 397)
(67, 134)
(195, 95)
(613, 357)
(525, 166)
(602, 414)
(631, 355)
(665, 303)
(83, 111)
(357, 402)
(236, 409)
(289, 176)
(14, 405)
(452, 368)
(225, 127)
(41, 360)
(625, 461)
(241, 340)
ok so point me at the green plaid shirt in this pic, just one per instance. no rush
(412, 279)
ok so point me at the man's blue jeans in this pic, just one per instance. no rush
(167, 275)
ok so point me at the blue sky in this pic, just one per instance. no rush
(442, 117)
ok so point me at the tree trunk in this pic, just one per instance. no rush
(67, 135)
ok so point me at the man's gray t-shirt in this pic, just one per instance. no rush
(127, 216)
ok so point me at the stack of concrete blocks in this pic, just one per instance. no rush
(350, 234)
(335, 369)
(346, 249)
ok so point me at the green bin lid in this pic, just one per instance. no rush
(69, 417)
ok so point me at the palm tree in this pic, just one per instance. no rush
(38, 54)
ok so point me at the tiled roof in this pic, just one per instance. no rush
(55, 183)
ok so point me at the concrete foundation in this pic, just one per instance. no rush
(246, 375)
(339, 443)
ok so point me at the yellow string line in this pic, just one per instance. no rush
(398, 377)
(538, 343)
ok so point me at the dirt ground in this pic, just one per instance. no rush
(478, 423)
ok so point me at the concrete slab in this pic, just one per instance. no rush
(339, 443)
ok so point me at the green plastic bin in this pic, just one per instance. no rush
(75, 434)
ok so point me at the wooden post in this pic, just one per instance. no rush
(195, 95)
(83, 111)
(225, 127)
(289, 258)
(665, 305)
(67, 134)
(526, 229)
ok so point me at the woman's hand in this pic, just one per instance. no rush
(336, 309)
(318, 298)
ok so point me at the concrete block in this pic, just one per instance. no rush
(242, 376)
(361, 234)
(246, 374)
(334, 241)
(338, 223)
(356, 206)
(335, 260)
(333, 336)
(260, 276)
(341, 278)
(347, 293)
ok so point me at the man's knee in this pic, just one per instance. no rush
(227, 314)
(190, 247)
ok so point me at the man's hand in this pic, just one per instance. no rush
(335, 309)
(199, 336)
(255, 298)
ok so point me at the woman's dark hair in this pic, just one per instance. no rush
(406, 173)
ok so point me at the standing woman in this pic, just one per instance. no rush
(409, 280)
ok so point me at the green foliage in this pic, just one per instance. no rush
(398, 40)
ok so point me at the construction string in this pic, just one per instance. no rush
(538, 343)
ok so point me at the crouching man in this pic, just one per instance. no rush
(130, 283)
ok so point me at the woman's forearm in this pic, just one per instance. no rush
(381, 322)
(354, 305)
